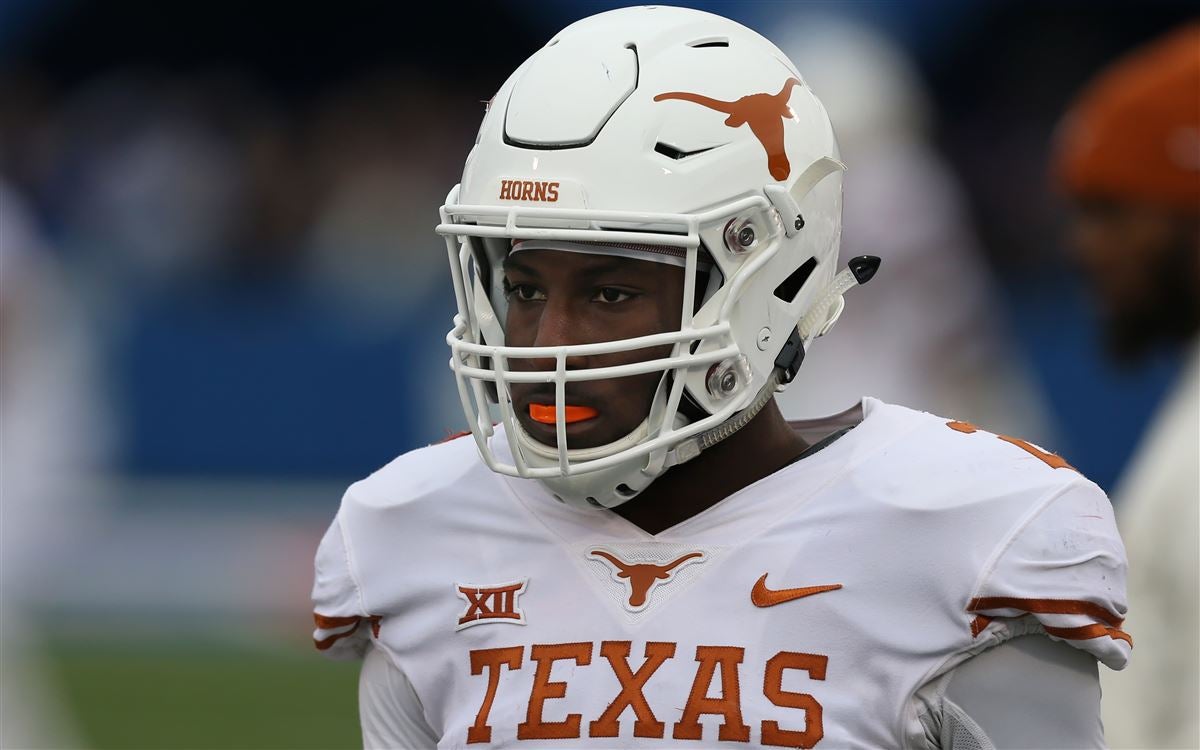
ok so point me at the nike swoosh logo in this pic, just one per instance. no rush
(761, 596)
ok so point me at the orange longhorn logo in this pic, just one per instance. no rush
(643, 576)
(764, 112)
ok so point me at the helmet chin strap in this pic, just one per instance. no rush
(817, 322)
(690, 448)
(828, 307)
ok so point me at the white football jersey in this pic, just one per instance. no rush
(805, 610)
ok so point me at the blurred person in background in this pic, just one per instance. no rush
(945, 347)
(52, 438)
(1128, 154)
(380, 170)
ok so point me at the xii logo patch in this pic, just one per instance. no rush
(495, 603)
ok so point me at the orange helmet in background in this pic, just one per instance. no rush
(1134, 132)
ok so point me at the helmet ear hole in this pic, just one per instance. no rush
(791, 286)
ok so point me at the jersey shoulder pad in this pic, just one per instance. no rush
(418, 474)
(949, 462)
(1062, 571)
(377, 512)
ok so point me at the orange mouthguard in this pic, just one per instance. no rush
(547, 414)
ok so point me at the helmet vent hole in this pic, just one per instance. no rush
(709, 42)
(594, 502)
(637, 69)
(672, 152)
(625, 491)
(792, 285)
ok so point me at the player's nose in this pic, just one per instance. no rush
(559, 325)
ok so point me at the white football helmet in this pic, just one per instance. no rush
(666, 128)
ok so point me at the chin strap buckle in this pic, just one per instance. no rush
(790, 357)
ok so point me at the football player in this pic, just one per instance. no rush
(642, 552)
(1129, 158)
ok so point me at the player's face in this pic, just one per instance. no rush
(1142, 264)
(559, 298)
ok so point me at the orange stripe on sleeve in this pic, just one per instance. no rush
(325, 622)
(978, 624)
(1046, 607)
(324, 643)
(327, 642)
(1089, 631)
(330, 623)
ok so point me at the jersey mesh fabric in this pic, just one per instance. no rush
(960, 732)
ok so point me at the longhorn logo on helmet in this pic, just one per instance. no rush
(764, 113)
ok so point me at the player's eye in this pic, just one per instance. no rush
(523, 292)
(611, 295)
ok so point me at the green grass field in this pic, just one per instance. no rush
(167, 695)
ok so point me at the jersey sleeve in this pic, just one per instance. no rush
(342, 626)
(1061, 572)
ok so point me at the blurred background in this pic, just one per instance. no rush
(221, 301)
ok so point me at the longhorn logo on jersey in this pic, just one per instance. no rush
(764, 113)
(495, 603)
(642, 577)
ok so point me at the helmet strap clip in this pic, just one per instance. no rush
(790, 357)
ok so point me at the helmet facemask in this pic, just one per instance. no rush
(704, 379)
